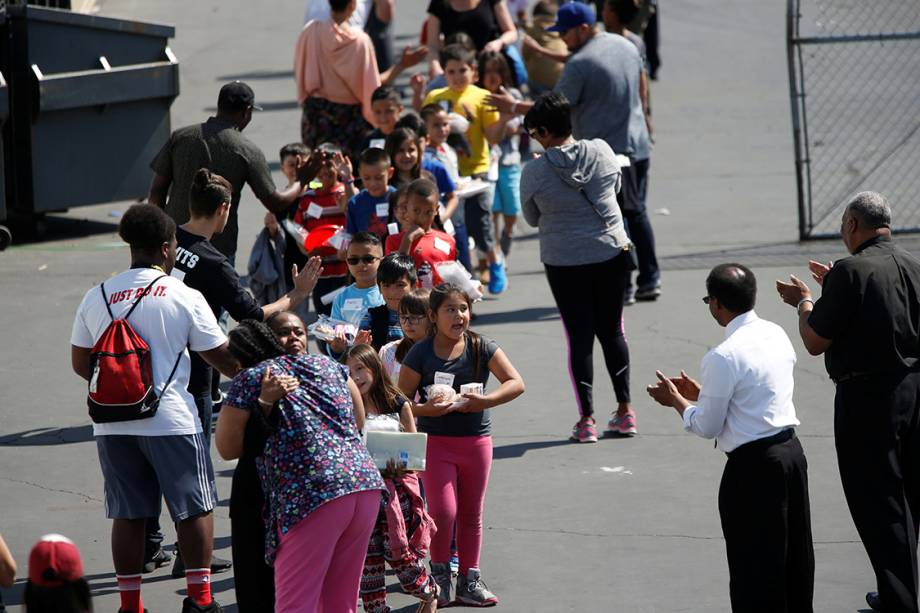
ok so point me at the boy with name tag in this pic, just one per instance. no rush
(369, 210)
(426, 246)
(363, 256)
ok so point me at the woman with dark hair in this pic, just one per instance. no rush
(56, 583)
(570, 194)
(487, 22)
(322, 489)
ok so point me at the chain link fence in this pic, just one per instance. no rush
(854, 80)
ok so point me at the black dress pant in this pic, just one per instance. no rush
(590, 302)
(763, 503)
(878, 452)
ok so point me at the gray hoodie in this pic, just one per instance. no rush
(570, 194)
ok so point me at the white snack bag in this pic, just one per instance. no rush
(454, 272)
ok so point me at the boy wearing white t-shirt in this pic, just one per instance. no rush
(165, 455)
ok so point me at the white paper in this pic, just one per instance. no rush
(407, 448)
(314, 210)
(444, 378)
(442, 245)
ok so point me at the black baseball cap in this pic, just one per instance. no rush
(237, 96)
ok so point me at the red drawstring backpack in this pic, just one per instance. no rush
(121, 381)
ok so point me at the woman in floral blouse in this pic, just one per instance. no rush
(321, 486)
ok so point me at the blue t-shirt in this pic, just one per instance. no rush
(366, 213)
(352, 305)
(438, 170)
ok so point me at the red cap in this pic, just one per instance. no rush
(54, 560)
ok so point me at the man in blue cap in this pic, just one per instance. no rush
(601, 81)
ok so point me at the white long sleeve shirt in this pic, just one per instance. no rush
(746, 385)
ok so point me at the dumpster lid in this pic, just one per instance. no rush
(36, 13)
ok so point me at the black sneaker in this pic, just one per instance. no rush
(218, 565)
(190, 606)
(874, 602)
(160, 558)
(648, 293)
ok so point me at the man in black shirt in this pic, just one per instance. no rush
(201, 266)
(219, 145)
(867, 325)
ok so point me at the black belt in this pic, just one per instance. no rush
(763, 443)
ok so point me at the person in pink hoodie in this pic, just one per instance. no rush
(336, 73)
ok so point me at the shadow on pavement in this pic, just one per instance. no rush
(257, 75)
(48, 436)
(520, 316)
(518, 450)
(285, 105)
(54, 228)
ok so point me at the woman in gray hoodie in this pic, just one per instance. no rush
(570, 194)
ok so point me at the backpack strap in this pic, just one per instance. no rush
(105, 301)
(172, 372)
(136, 302)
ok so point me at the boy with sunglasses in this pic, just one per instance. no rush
(363, 257)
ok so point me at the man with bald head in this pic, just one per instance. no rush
(867, 325)
(744, 401)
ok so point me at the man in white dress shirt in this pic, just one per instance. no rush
(745, 402)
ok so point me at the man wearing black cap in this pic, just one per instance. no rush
(219, 146)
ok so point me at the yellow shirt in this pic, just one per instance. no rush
(472, 101)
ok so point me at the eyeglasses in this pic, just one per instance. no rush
(358, 259)
(706, 299)
(534, 132)
(412, 320)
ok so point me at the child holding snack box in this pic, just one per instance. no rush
(459, 455)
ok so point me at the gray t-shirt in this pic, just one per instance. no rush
(422, 359)
(218, 146)
(601, 80)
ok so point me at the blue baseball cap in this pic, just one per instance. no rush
(571, 15)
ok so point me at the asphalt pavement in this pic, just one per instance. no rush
(622, 525)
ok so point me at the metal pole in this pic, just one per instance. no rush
(792, 13)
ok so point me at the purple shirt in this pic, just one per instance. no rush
(314, 454)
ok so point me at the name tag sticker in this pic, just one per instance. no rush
(442, 245)
(314, 210)
(377, 143)
(392, 228)
(383, 210)
(353, 304)
(443, 378)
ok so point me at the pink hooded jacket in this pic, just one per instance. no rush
(337, 64)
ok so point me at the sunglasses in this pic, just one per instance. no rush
(706, 299)
(534, 132)
(412, 320)
(358, 259)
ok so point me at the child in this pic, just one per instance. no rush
(325, 205)
(459, 455)
(396, 277)
(437, 129)
(399, 210)
(368, 210)
(405, 149)
(496, 74)
(363, 258)
(413, 319)
(56, 582)
(403, 530)
(387, 107)
(486, 127)
(292, 156)
(426, 246)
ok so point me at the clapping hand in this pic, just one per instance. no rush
(686, 387)
(417, 83)
(308, 170)
(793, 292)
(819, 270)
(412, 56)
(501, 100)
(665, 392)
(364, 337)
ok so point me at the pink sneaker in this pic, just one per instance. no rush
(585, 431)
(622, 425)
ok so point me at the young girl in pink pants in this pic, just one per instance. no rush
(459, 435)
